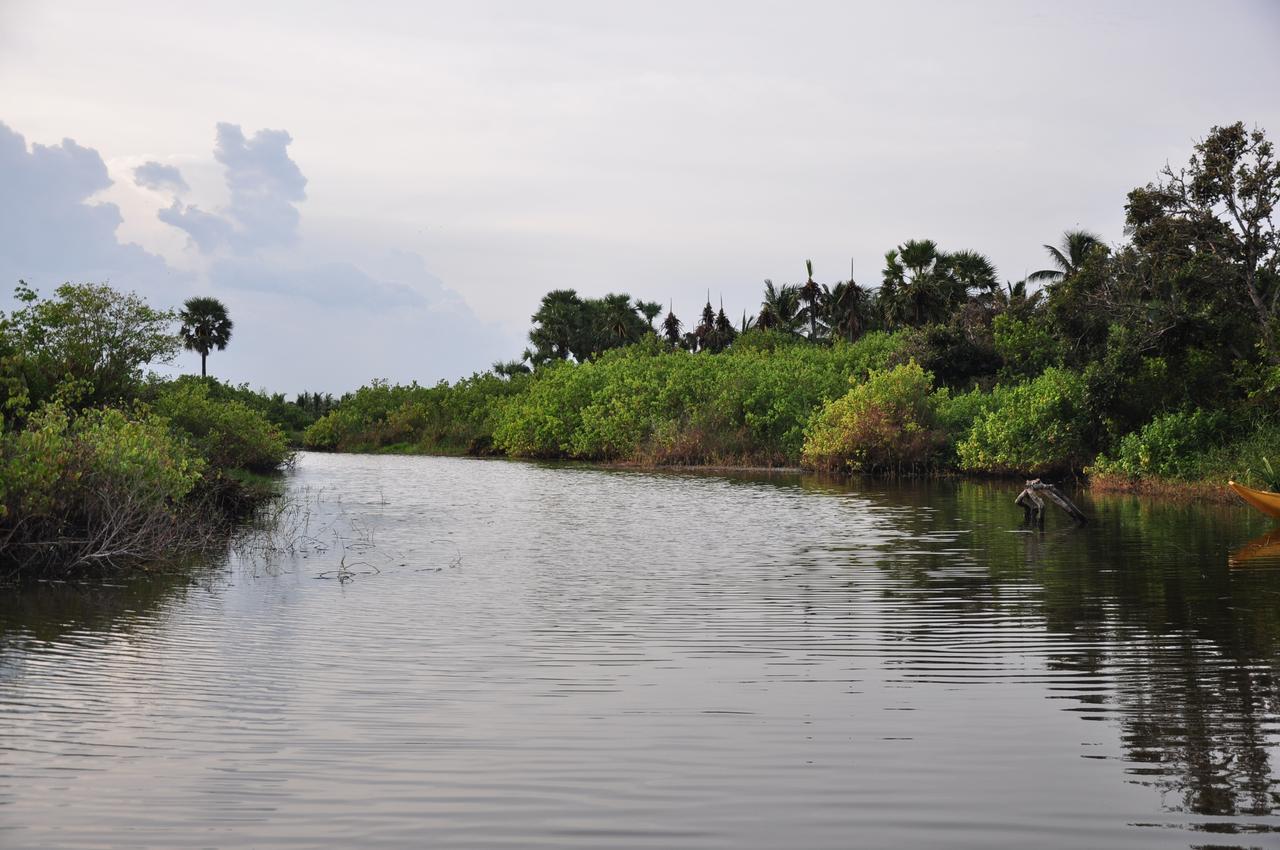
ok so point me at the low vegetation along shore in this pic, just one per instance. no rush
(101, 466)
(1153, 364)
(1149, 365)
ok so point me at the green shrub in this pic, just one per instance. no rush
(1025, 347)
(1169, 446)
(94, 487)
(886, 423)
(229, 434)
(1034, 427)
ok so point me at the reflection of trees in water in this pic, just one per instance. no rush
(1196, 722)
(1147, 603)
(49, 611)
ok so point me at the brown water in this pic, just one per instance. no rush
(463, 653)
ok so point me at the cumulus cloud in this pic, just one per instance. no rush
(288, 296)
(160, 177)
(264, 184)
(51, 233)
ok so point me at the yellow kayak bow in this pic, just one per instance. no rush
(1268, 503)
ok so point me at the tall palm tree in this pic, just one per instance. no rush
(671, 328)
(915, 289)
(848, 309)
(620, 318)
(704, 333)
(557, 326)
(725, 333)
(809, 294)
(1068, 255)
(205, 326)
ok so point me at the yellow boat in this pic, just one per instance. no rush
(1268, 503)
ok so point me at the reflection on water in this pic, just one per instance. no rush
(485, 653)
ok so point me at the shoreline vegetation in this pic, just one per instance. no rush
(1149, 366)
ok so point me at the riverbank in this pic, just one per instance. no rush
(846, 408)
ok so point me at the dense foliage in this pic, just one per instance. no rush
(1154, 358)
(101, 465)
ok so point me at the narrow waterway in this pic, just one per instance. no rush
(466, 653)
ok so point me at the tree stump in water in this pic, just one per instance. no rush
(1032, 501)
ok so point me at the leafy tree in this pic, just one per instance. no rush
(1218, 210)
(88, 345)
(205, 326)
(1069, 256)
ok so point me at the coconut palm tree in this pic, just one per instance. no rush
(205, 326)
(780, 307)
(1068, 255)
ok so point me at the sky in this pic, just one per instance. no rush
(386, 190)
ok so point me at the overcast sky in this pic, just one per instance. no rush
(387, 189)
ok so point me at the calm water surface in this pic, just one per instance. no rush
(464, 653)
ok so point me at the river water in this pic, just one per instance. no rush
(470, 653)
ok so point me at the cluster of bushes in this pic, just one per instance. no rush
(750, 404)
(99, 465)
(1158, 358)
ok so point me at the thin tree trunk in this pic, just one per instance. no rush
(203, 355)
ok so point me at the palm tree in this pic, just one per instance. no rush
(1069, 255)
(650, 310)
(848, 309)
(671, 328)
(556, 326)
(205, 326)
(510, 368)
(704, 333)
(972, 271)
(921, 284)
(780, 307)
(809, 294)
(724, 333)
(620, 318)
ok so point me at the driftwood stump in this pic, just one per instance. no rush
(1032, 501)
